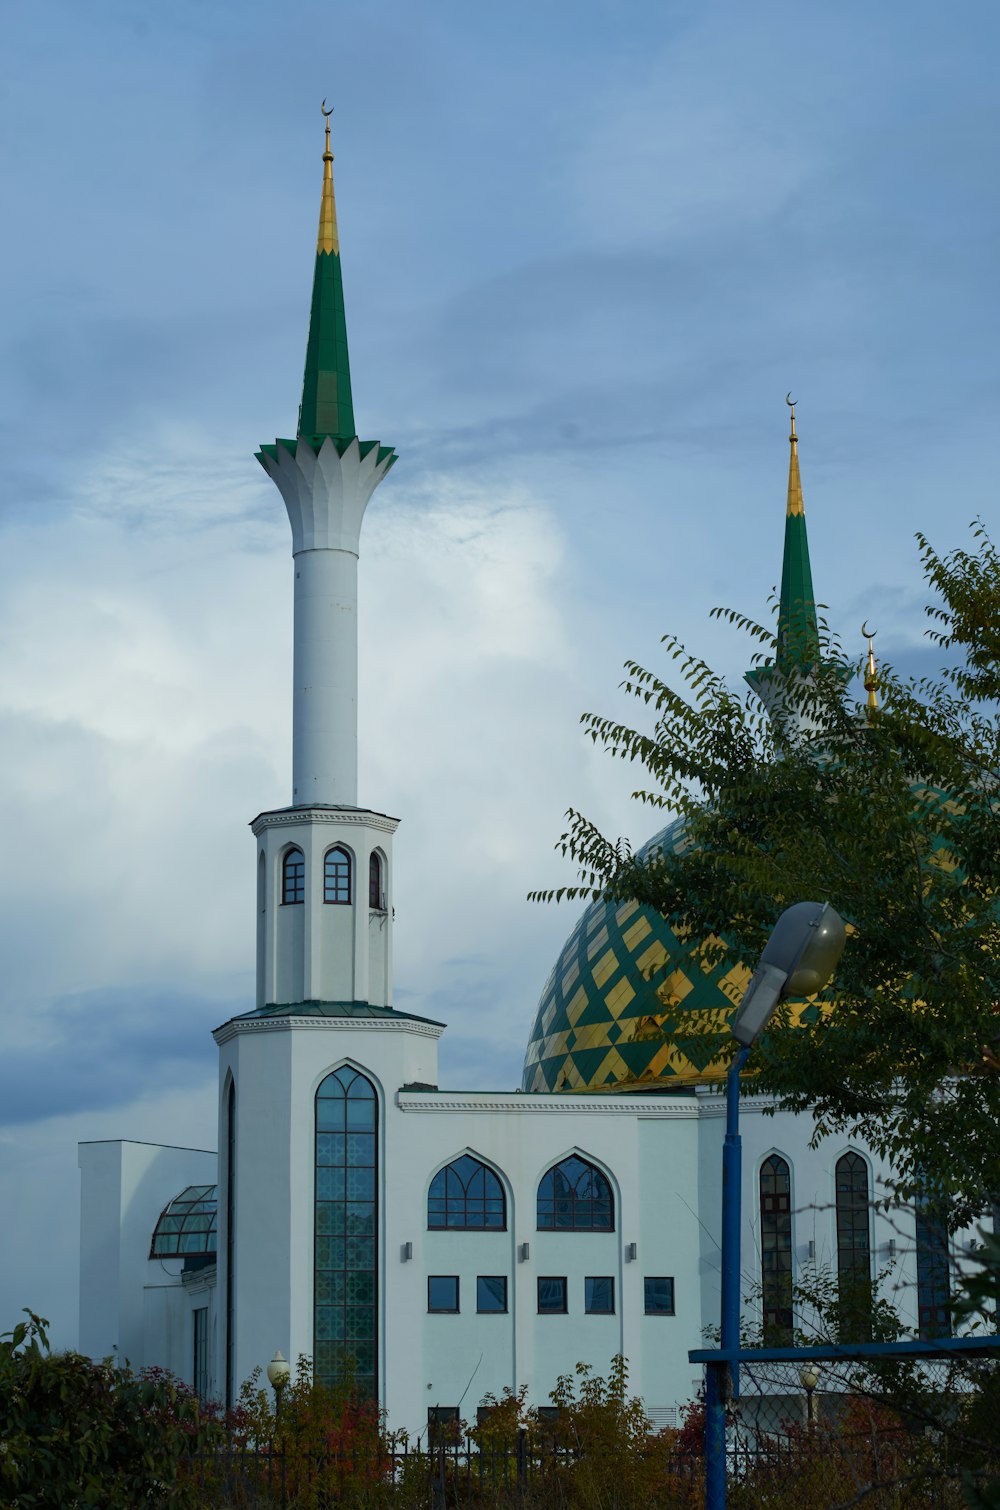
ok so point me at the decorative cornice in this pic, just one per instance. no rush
(561, 1105)
(717, 1106)
(289, 817)
(326, 489)
(237, 1025)
(196, 1280)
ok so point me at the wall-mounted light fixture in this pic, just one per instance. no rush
(406, 1252)
(523, 1252)
(631, 1252)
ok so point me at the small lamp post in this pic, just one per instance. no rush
(797, 960)
(278, 1374)
(809, 1378)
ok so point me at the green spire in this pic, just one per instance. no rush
(327, 408)
(798, 632)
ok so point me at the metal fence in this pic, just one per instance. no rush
(530, 1471)
(881, 1425)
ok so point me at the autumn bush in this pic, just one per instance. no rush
(78, 1433)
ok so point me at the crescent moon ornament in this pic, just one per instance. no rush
(866, 633)
(326, 112)
(791, 402)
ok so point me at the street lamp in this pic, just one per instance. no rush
(797, 960)
(278, 1374)
(809, 1378)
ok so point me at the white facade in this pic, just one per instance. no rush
(662, 1157)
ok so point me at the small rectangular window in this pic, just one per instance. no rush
(659, 1291)
(599, 1295)
(442, 1293)
(491, 1292)
(444, 1427)
(551, 1295)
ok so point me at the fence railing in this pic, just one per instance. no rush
(527, 1471)
(912, 1424)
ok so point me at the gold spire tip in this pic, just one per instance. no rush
(328, 240)
(796, 504)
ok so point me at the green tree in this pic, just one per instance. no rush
(894, 817)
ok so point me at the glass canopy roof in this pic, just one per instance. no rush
(188, 1224)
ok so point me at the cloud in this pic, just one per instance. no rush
(108, 1048)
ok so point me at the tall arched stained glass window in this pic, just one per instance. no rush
(776, 1249)
(853, 1247)
(466, 1196)
(933, 1270)
(346, 1297)
(575, 1196)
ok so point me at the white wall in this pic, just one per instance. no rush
(124, 1187)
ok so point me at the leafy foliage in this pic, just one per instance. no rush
(78, 1433)
(895, 819)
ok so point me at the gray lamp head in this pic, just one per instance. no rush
(798, 960)
(806, 943)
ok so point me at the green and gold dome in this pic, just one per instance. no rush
(612, 1014)
(618, 1011)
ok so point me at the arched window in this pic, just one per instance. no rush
(293, 877)
(337, 876)
(346, 1299)
(466, 1196)
(375, 888)
(853, 1250)
(776, 1249)
(575, 1196)
(933, 1270)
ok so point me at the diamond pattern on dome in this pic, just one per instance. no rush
(612, 1014)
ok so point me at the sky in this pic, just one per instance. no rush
(587, 251)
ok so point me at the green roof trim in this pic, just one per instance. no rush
(360, 1010)
(269, 451)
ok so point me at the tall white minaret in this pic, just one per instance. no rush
(324, 894)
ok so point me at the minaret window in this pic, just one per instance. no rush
(337, 877)
(376, 891)
(575, 1196)
(776, 1249)
(465, 1196)
(293, 878)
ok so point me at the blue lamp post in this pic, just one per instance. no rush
(798, 960)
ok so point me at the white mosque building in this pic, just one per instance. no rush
(435, 1244)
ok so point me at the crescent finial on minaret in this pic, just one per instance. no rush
(871, 670)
